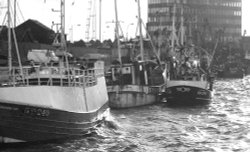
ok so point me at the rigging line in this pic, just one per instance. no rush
(11, 13)
(212, 57)
(21, 13)
(17, 50)
(119, 27)
(15, 16)
(151, 42)
(134, 43)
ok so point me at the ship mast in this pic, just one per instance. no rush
(100, 20)
(182, 24)
(117, 32)
(9, 39)
(173, 29)
(15, 1)
(63, 41)
(141, 42)
(140, 30)
(10, 66)
(62, 37)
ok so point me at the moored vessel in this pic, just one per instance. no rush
(188, 83)
(188, 77)
(51, 98)
(129, 88)
(188, 92)
(134, 83)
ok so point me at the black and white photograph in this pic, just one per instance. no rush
(124, 75)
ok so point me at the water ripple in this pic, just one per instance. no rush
(221, 126)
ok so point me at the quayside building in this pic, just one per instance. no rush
(209, 18)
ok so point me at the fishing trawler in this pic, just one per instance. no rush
(129, 88)
(134, 83)
(188, 76)
(50, 99)
(188, 82)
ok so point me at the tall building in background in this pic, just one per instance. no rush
(207, 19)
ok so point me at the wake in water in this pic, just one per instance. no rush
(221, 126)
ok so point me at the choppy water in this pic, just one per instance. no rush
(221, 126)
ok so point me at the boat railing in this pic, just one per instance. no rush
(54, 76)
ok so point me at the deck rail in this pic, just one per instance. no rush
(53, 76)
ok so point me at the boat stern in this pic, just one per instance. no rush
(187, 95)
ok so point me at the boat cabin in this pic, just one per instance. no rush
(189, 69)
(135, 73)
(46, 68)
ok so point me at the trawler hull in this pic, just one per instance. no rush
(21, 123)
(37, 113)
(128, 96)
(187, 93)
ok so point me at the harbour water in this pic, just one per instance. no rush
(221, 126)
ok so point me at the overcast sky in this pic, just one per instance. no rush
(77, 13)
